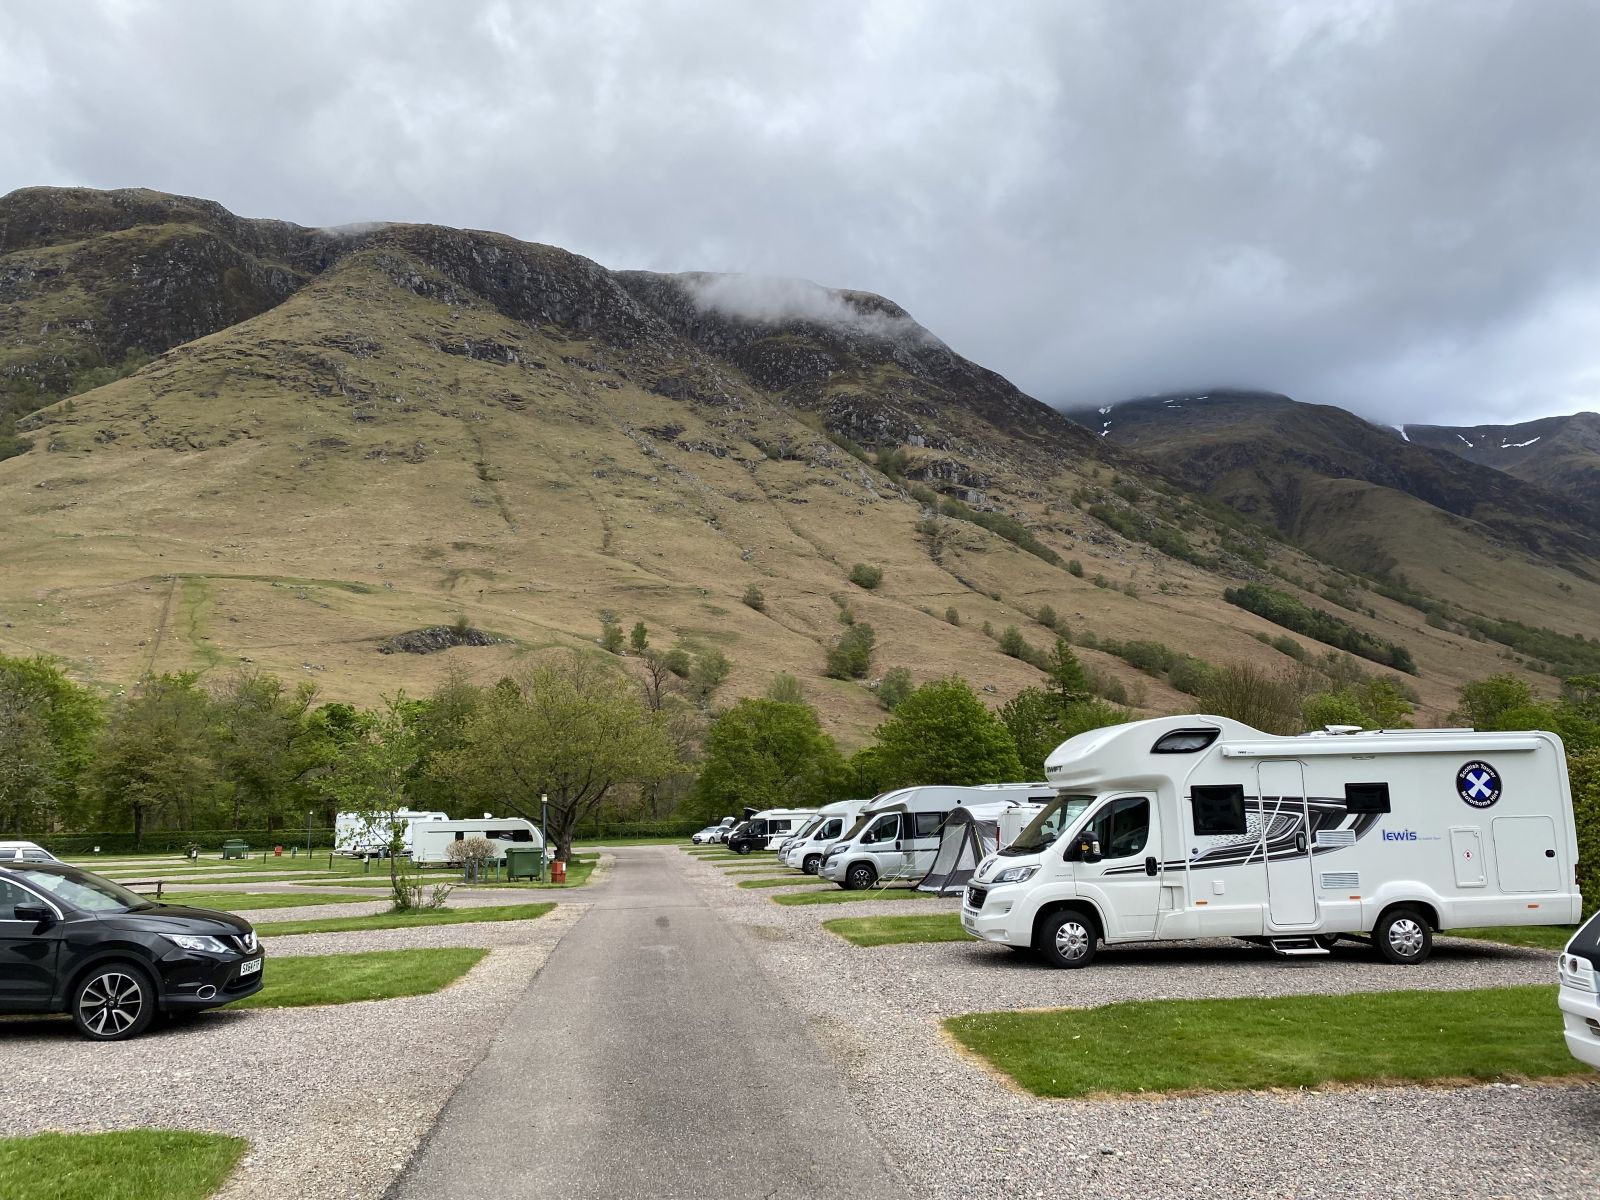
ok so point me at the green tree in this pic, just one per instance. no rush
(942, 733)
(610, 633)
(851, 656)
(570, 728)
(1484, 702)
(71, 717)
(863, 575)
(1068, 682)
(156, 757)
(28, 764)
(708, 671)
(1039, 721)
(263, 746)
(896, 685)
(755, 598)
(786, 689)
(767, 754)
(639, 639)
(369, 779)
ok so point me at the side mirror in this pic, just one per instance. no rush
(37, 914)
(1084, 849)
(867, 839)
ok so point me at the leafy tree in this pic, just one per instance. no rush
(1039, 721)
(1370, 704)
(370, 778)
(942, 733)
(1013, 643)
(438, 723)
(263, 748)
(786, 689)
(611, 639)
(28, 764)
(851, 656)
(1269, 702)
(568, 727)
(767, 754)
(155, 759)
(1069, 684)
(1483, 703)
(639, 638)
(896, 685)
(70, 718)
(708, 671)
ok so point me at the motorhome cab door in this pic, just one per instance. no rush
(1126, 873)
(882, 840)
(1285, 829)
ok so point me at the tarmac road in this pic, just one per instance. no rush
(651, 1058)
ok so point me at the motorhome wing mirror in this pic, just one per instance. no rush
(1084, 849)
(867, 838)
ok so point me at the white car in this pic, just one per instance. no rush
(25, 852)
(1580, 993)
(705, 835)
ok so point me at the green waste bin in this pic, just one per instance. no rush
(524, 862)
(233, 848)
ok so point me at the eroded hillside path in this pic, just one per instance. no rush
(651, 1058)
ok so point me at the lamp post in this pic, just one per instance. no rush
(308, 832)
(544, 834)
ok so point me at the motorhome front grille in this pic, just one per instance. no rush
(1340, 881)
(976, 896)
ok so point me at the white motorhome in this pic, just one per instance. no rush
(1194, 826)
(805, 849)
(364, 835)
(768, 829)
(432, 839)
(897, 834)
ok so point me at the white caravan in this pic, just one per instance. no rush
(1192, 826)
(1579, 997)
(768, 829)
(897, 834)
(432, 839)
(805, 849)
(363, 835)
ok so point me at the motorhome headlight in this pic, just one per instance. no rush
(1015, 875)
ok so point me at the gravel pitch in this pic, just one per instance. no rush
(334, 1100)
(962, 1132)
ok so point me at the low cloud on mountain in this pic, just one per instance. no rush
(1387, 207)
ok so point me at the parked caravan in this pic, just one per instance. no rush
(1188, 827)
(805, 850)
(970, 834)
(431, 839)
(364, 835)
(1579, 997)
(767, 829)
(897, 834)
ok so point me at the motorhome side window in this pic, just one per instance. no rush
(886, 828)
(831, 829)
(1122, 828)
(1366, 797)
(927, 824)
(1218, 810)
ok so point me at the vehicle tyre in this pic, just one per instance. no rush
(742, 848)
(113, 1001)
(812, 864)
(1402, 937)
(860, 877)
(1327, 940)
(1067, 939)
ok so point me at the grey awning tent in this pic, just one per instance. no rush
(968, 836)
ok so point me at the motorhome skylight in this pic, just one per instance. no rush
(1184, 741)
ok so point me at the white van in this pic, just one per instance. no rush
(1193, 826)
(805, 849)
(897, 834)
(431, 839)
(768, 829)
(1579, 997)
(364, 835)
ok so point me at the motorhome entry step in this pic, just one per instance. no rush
(1294, 947)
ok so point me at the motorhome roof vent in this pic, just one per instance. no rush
(1338, 729)
(1184, 741)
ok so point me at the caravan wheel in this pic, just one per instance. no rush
(1067, 939)
(1402, 936)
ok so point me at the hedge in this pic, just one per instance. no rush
(178, 840)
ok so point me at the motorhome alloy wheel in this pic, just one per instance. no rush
(1403, 937)
(1068, 940)
(812, 864)
(860, 877)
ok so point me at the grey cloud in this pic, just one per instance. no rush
(1385, 206)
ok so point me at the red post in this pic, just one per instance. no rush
(558, 871)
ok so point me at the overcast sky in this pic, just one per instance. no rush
(1394, 207)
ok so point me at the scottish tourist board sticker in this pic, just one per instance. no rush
(1478, 784)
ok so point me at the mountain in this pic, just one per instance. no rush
(1360, 496)
(1558, 454)
(243, 443)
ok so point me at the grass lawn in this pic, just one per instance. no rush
(840, 896)
(895, 931)
(406, 920)
(1285, 1042)
(239, 901)
(373, 975)
(144, 1164)
(1540, 937)
(786, 881)
(741, 869)
(578, 871)
(207, 881)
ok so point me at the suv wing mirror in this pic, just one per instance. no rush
(38, 914)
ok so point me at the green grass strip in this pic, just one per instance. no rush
(1284, 1042)
(895, 931)
(140, 1164)
(1540, 937)
(372, 975)
(406, 920)
(243, 901)
(843, 897)
(786, 881)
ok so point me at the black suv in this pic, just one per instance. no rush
(76, 943)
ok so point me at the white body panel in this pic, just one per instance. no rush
(431, 839)
(831, 823)
(898, 832)
(359, 834)
(1579, 998)
(1468, 845)
(776, 824)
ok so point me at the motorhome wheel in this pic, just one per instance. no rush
(860, 877)
(1403, 937)
(812, 864)
(1327, 940)
(742, 848)
(1067, 939)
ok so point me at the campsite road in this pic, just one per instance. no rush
(651, 1058)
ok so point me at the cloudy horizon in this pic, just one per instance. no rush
(1384, 207)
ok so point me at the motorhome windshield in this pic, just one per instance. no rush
(809, 827)
(854, 831)
(1050, 824)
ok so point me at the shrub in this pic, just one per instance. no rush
(1190, 675)
(851, 656)
(1100, 581)
(610, 633)
(1011, 529)
(1047, 616)
(896, 686)
(1283, 609)
(865, 576)
(1131, 589)
(639, 638)
(1075, 568)
(1013, 643)
(754, 598)
(951, 615)
(784, 688)
(1287, 645)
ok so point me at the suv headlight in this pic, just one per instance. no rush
(191, 941)
(1014, 875)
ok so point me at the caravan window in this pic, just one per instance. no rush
(927, 824)
(1218, 810)
(1366, 797)
(1122, 828)
(511, 835)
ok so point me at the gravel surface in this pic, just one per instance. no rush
(964, 1133)
(333, 1100)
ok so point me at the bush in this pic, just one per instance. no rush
(864, 576)
(1012, 642)
(896, 686)
(1283, 609)
(639, 639)
(1287, 645)
(1013, 530)
(1075, 568)
(1047, 616)
(951, 615)
(851, 656)
(611, 638)
(1190, 675)
(754, 598)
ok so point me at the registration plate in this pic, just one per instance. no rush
(249, 968)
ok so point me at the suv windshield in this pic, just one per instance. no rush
(1050, 824)
(83, 890)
